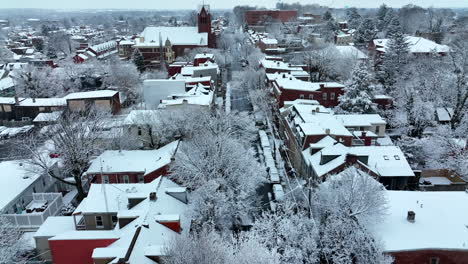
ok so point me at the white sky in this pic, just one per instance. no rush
(215, 4)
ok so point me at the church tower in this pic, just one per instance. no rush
(204, 20)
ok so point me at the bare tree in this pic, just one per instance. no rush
(75, 140)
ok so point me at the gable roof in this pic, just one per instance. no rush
(145, 161)
(176, 35)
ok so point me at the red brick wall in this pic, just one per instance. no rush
(424, 256)
(133, 177)
(76, 251)
(155, 174)
(291, 95)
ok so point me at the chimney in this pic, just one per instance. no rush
(16, 99)
(313, 111)
(290, 78)
(327, 131)
(411, 216)
(170, 221)
(284, 75)
(322, 86)
(317, 109)
(152, 196)
(34, 100)
(278, 63)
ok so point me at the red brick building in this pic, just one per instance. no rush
(131, 166)
(288, 88)
(259, 17)
(167, 43)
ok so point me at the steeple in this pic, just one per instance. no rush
(204, 19)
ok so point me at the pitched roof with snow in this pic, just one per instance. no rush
(91, 94)
(43, 102)
(292, 83)
(416, 45)
(142, 117)
(386, 161)
(351, 51)
(145, 161)
(15, 177)
(176, 35)
(441, 220)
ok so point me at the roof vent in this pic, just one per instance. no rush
(152, 196)
(411, 216)
(327, 131)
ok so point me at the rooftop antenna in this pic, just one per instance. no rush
(103, 188)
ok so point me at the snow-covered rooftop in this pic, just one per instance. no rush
(199, 95)
(441, 221)
(91, 94)
(55, 225)
(48, 117)
(351, 51)
(386, 161)
(142, 117)
(145, 161)
(416, 45)
(353, 120)
(43, 102)
(15, 177)
(153, 36)
(292, 83)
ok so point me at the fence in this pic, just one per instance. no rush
(32, 221)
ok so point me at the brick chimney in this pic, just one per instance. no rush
(411, 216)
(322, 85)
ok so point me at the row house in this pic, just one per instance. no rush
(99, 51)
(306, 127)
(198, 98)
(202, 58)
(125, 48)
(272, 66)
(131, 166)
(328, 156)
(117, 223)
(288, 88)
(27, 109)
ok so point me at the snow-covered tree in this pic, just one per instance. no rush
(395, 57)
(124, 77)
(344, 206)
(327, 15)
(354, 18)
(357, 97)
(209, 247)
(75, 139)
(365, 33)
(138, 60)
(381, 14)
(10, 243)
(293, 235)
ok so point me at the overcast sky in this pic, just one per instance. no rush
(215, 4)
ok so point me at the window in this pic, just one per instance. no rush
(114, 220)
(34, 189)
(301, 96)
(99, 222)
(139, 131)
(434, 261)
(385, 157)
(41, 109)
(126, 179)
(43, 182)
(311, 96)
(324, 96)
(377, 128)
(332, 96)
(140, 178)
(397, 157)
(105, 179)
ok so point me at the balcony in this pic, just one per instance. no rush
(42, 206)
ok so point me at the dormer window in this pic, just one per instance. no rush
(385, 157)
(397, 157)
